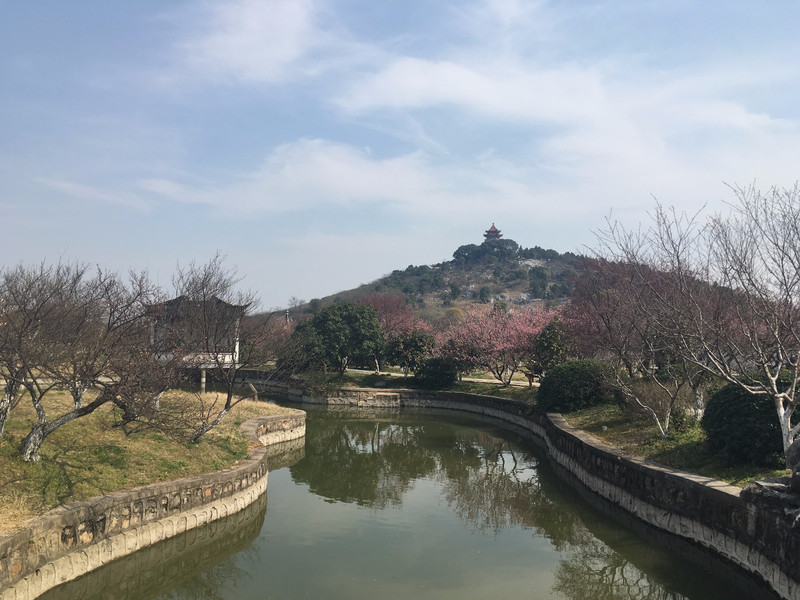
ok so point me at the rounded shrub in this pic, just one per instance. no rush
(742, 427)
(576, 384)
(436, 373)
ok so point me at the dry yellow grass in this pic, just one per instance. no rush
(91, 456)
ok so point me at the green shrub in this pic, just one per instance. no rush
(742, 427)
(577, 384)
(680, 419)
(436, 373)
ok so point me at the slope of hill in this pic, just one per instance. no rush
(498, 270)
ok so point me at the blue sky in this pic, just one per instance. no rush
(322, 144)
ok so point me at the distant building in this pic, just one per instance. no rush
(200, 334)
(493, 233)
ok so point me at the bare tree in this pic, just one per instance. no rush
(30, 300)
(728, 302)
(65, 329)
(613, 315)
(212, 326)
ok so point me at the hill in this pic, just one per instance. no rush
(498, 270)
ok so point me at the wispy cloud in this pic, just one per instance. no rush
(257, 43)
(249, 41)
(313, 173)
(398, 118)
(82, 192)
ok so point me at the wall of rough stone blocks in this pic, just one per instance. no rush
(153, 571)
(703, 511)
(76, 538)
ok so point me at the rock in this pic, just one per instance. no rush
(793, 463)
(793, 455)
(772, 493)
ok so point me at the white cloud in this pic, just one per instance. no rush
(249, 40)
(313, 173)
(539, 115)
(262, 43)
(497, 90)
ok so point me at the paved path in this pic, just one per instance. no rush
(515, 382)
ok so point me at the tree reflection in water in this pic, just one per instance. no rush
(596, 572)
(492, 483)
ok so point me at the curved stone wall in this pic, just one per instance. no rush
(76, 538)
(760, 539)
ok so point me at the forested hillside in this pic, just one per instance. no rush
(497, 270)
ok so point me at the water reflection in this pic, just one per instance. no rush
(284, 454)
(420, 505)
(192, 565)
(493, 482)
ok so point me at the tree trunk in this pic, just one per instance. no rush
(4, 408)
(699, 404)
(208, 426)
(32, 443)
(7, 402)
(793, 463)
(253, 391)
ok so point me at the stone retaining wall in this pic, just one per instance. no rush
(152, 572)
(76, 538)
(710, 513)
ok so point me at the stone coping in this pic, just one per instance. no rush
(75, 538)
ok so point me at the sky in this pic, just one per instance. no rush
(321, 144)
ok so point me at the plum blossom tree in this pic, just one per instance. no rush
(409, 339)
(394, 314)
(496, 340)
(727, 297)
(612, 316)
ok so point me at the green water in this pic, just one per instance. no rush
(415, 505)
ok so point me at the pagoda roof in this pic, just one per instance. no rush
(492, 233)
(182, 305)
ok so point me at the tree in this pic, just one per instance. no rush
(539, 278)
(340, 335)
(727, 299)
(550, 348)
(495, 340)
(211, 325)
(614, 316)
(409, 348)
(394, 314)
(32, 300)
(63, 328)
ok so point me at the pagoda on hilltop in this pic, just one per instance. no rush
(493, 233)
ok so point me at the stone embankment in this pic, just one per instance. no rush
(76, 538)
(760, 538)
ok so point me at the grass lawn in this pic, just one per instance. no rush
(90, 457)
(635, 433)
(488, 386)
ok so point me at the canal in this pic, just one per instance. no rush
(411, 504)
